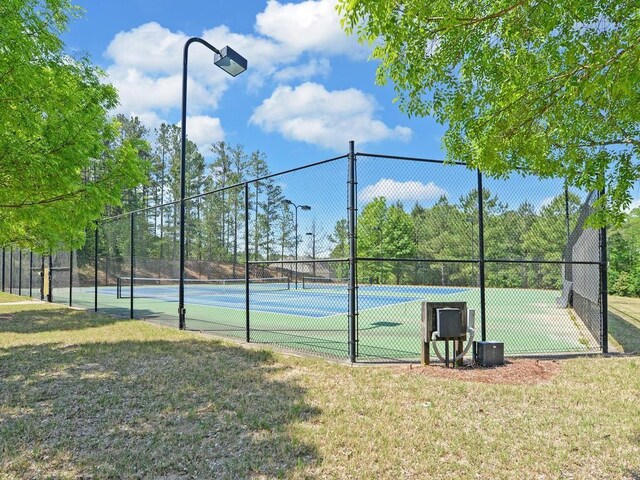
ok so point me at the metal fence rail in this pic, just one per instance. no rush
(335, 258)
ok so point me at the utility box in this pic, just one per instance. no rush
(449, 322)
(447, 317)
(489, 353)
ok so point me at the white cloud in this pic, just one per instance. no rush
(147, 71)
(314, 68)
(149, 119)
(204, 130)
(634, 204)
(308, 26)
(545, 202)
(312, 114)
(392, 190)
(149, 48)
(139, 92)
(291, 42)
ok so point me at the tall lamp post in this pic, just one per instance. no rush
(234, 64)
(313, 250)
(380, 270)
(473, 246)
(301, 207)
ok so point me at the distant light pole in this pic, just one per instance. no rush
(313, 250)
(234, 64)
(301, 207)
(470, 220)
(379, 229)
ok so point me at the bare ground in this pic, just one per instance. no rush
(524, 371)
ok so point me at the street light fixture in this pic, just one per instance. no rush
(301, 207)
(230, 61)
(313, 250)
(234, 64)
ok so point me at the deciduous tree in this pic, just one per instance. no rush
(551, 87)
(57, 171)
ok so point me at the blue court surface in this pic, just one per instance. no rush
(309, 302)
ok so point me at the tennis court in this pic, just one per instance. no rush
(313, 317)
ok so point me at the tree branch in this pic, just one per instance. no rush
(471, 21)
(58, 198)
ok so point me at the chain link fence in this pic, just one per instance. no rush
(335, 258)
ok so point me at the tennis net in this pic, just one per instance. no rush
(324, 282)
(144, 287)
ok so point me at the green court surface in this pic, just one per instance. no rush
(389, 320)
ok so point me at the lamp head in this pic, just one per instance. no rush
(230, 61)
(286, 202)
(305, 207)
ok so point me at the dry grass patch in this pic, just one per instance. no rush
(521, 371)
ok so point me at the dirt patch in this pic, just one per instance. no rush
(513, 372)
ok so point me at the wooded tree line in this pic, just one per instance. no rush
(624, 256)
(449, 231)
(214, 223)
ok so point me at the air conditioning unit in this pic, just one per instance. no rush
(489, 353)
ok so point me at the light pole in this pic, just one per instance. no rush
(379, 230)
(296, 207)
(313, 250)
(234, 64)
(473, 246)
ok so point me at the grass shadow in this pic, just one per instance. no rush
(625, 332)
(32, 320)
(149, 409)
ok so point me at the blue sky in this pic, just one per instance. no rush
(309, 89)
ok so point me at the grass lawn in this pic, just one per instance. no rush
(7, 297)
(624, 323)
(91, 396)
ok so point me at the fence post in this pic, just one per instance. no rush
(481, 264)
(3, 252)
(20, 273)
(131, 265)
(42, 292)
(604, 289)
(11, 270)
(567, 219)
(246, 260)
(95, 272)
(50, 277)
(353, 294)
(71, 278)
(30, 274)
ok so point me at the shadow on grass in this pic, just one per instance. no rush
(26, 319)
(29, 320)
(156, 409)
(626, 333)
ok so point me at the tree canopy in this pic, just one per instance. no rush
(624, 256)
(61, 161)
(549, 87)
